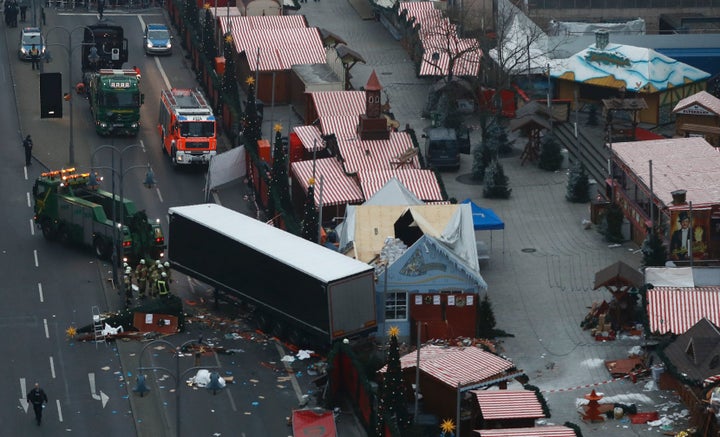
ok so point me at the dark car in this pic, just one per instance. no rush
(157, 39)
(28, 37)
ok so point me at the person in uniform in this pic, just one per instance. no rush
(127, 283)
(169, 273)
(162, 286)
(141, 275)
(37, 398)
(154, 276)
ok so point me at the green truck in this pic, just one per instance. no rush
(115, 100)
(68, 209)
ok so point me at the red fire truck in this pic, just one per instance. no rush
(187, 127)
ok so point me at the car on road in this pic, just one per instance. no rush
(30, 36)
(157, 40)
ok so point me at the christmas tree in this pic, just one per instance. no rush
(191, 16)
(252, 122)
(653, 250)
(230, 81)
(391, 402)
(279, 187)
(578, 187)
(209, 49)
(486, 319)
(550, 154)
(485, 153)
(496, 183)
(310, 215)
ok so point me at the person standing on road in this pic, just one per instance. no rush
(35, 57)
(127, 283)
(23, 10)
(28, 146)
(162, 286)
(141, 274)
(38, 399)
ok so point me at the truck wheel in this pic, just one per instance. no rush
(298, 338)
(162, 143)
(64, 235)
(264, 322)
(47, 230)
(278, 329)
(102, 249)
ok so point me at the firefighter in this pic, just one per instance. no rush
(169, 273)
(154, 277)
(127, 282)
(141, 275)
(162, 286)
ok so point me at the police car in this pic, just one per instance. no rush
(28, 37)
(158, 40)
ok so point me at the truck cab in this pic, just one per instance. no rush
(442, 148)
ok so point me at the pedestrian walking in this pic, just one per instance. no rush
(38, 399)
(28, 146)
(35, 57)
(101, 8)
(141, 274)
(23, 10)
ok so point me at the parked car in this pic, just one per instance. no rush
(158, 40)
(28, 37)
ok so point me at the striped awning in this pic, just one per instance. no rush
(712, 380)
(457, 366)
(310, 137)
(338, 103)
(422, 183)
(675, 310)
(250, 24)
(508, 404)
(536, 431)
(279, 49)
(336, 189)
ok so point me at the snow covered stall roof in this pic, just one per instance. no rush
(315, 260)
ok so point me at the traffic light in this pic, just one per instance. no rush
(51, 97)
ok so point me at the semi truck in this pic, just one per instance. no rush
(67, 208)
(299, 290)
(115, 99)
(103, 46)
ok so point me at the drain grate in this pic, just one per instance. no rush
(529, 250)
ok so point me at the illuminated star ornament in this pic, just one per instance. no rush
(71, 332)
(447, 426)
(277, 127)
(206, 6)
(250, 80)
(394, 331)
(228, 39)
(311, 181)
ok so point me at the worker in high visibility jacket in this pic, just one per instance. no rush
(162, 286)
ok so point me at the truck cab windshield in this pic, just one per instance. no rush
(197, 129)
(121, 100)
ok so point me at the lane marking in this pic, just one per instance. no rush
(37, 264)
(42, 299)
(288, 367)
(28, 199)
(47, 332)
(98, 397)
(23, 395)
(32, 227)
(52, 367)
(60, 416)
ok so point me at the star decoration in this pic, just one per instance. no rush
(277, 127)
(311, 181)
(228, 39)
(71, 332)
(206, 6)
(447, 426)
(250, 80)
(394, 331)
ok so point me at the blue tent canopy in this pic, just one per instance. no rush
(484, 219)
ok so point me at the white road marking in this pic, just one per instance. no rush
(47, 332)
(52, 367)
(23, 395)
(42, 299)
(60, 417)
(37, 264)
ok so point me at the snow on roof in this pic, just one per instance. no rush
(313, 259)
(703, 98)
(678, 164)
(640, 69)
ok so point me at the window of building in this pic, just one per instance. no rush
(396, 305)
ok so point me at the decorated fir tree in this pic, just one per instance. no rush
(486, 319)
(653, 250)
(251, 120)
(230, 80)
(392, 404)
(484, 154)
(499, 136)
(208, 48)
(310, 215)
(279, 187)
(447, 428)
(497, 185)
(191, 17)
(551, 157)
(578, 187)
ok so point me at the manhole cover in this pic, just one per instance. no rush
(529, 250)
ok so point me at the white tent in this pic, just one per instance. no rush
(224, 169)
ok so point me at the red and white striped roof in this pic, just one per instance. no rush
(279, 49)
(508, 404)
(439, 36)
(711, 380)
(250, 24)
(310, 136)
(337, 188)
(422, 183)
(536, 431)
(457, 366)
(675, 310)
(338, 103)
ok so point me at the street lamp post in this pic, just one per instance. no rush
(141, 387)
(69, 49)
(120, 173)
